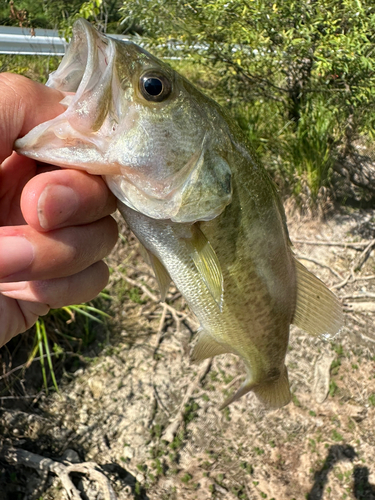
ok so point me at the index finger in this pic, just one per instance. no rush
(66, 197)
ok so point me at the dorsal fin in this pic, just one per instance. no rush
(208, 265)
(318, 310)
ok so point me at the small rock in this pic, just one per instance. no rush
(128, 452)
(96, 387)
(321, 377)
(71, 456)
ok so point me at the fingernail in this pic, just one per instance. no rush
(56, 205)
(13, 286)
(16, 254)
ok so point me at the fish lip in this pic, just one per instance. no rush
(81, 44)
(87, 62)
(93, 55)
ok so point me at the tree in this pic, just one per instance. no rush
(305, 68)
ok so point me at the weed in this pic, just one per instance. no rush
(296, 400)
(220, 478)
(226, 413)
(159, 467)
(332, 388)
(247, 467)
(190, 412)
(177, 441)
(43, 346)
(258, 451)
(336, 436)
(134, 295)
(186, 478)
(335, 365)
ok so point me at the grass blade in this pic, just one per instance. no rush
(48, 354)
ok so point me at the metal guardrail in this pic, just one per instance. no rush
(24, 41)
(33, 42)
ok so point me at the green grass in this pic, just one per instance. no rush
(36, 68)
(69, 328)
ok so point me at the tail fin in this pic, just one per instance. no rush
(276, 393)
(272, 394)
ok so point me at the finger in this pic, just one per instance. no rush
(65, 197)
(24, 104)
(18, 316)
(60, 292)
(27, 255)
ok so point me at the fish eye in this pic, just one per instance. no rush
(155, 86)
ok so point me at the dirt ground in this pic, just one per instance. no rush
(134, 405)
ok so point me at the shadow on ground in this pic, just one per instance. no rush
(363, 490)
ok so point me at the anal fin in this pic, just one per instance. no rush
(207, 347)
(318, 311)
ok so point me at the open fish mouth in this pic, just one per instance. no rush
(79, 136)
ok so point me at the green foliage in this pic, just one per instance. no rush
(299, 76)
(186, 477)
(33, 14)
(61, 14)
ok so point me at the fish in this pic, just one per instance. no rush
(190, 188)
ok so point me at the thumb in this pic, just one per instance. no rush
(23, 105)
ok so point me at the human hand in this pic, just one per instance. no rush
(55, 224)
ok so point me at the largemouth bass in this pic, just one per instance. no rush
(190, 189)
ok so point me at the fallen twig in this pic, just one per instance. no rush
(356, 319)
(227, 494)
(357, 264)
(364, 256)
(153, 297)
(142, 287)
(349, 244)
(160, 329)
(32, 396)
(367, 295)
(362, 278)
(342, 283)
(160, 402)
(26, 458)
(172, 428)
(360, 306)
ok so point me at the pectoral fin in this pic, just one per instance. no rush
(208, 265)
(161, 274)
(318, 311)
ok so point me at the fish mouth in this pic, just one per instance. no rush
(86, 77)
